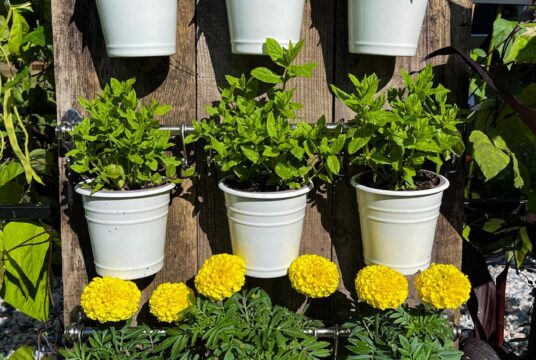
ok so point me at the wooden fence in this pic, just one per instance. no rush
(189, 80)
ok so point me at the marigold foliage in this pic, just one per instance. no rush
(108, 299)
(221, 276)
(381, 287)
(443, 286)
(314, 276)
(168, 301)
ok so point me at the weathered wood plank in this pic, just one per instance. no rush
(197, 225)
(446, 22)
(82, 69)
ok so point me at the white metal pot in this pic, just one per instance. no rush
(265, 228)
(252, 21)
(398, 227)
(385, 27)
(127, 230)
(136, 28)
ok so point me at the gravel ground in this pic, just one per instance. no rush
(17, 329)
(519, 300)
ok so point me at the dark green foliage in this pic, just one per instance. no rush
(395, 133)
(250, 135)
(246, 326)
(119, 145)
(401, 334)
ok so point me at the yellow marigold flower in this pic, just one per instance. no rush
(443, 286)
(314, 276)
(109, 299)
(221, 276)
(381, 287)
(169, 300)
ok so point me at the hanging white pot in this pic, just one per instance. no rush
(398, 227)
(136, 28)
(385, 27)
(127, 230)
(252, 21)
(265, 228)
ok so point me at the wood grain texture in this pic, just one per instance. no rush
(446, 23)
(189, 80)
(82, 69)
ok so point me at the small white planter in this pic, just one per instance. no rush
(398, 227)
(127, 230)
(137, 28)
(385, 27)
(265, 228)
(252, 21)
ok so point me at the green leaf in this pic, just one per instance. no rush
(266, 75)
(25, 282)
(10, 171)
(305, 70)
(489, 158)
(271, 126)
(251, 154)
(275, 51)
(19, 27)
(333, 164)
(283, 171)
(357, 143)
(22, 353)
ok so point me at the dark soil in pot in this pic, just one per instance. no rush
(424, 180)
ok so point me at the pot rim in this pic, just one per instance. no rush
(443, 185)
(269, 195)
(122, 194)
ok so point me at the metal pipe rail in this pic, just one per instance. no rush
(72, 118)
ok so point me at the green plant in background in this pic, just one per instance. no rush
(251, 136)
(503, 149)
(245, 326)
(119, 145)
(395, 141)
(27, 152)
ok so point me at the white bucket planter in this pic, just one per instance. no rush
(252, 21)
(136, 28)
(398, 227)
(265, 228)
(385, 27)
(127, 230)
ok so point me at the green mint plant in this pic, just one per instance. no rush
(395, 133)
(402, 333)
(119, 145)
(249, 134)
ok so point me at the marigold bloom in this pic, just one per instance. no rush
(109, 299)
(169, 300)
(221, 276)
(443, 286)
(314, 276)
(381, 287)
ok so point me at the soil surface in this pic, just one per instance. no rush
(424, 180)
(255, 186)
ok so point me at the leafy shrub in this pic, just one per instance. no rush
(394, 134)
(246, 326)
(251, 137)
(119, 145)
(403, 333)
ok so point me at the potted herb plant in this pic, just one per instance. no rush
(387, 27)
(120, 154)
(269, 162)
(397, 135)
(137, 28)
(252, 21)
